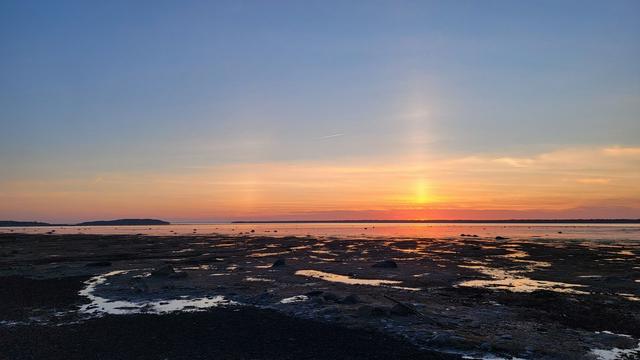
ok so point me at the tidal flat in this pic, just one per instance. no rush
(257, 295)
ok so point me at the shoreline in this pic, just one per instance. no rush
(473, 296)
(470, 221)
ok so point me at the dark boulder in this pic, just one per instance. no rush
(372, 311)
(351, 299)
(279, 263)
(330, 297)
(386, 264)
(165, 270)
(401, 310)
(178, 275)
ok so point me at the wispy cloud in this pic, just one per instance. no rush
(546, 181)
(619, 150)
(331, 136)
(596, 181)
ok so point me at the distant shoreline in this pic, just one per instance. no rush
(512, 221)
(154, 222)
(118, 222)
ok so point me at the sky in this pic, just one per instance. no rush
(239, 110)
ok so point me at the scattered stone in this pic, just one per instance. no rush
(386, 264)
(140, 286)
(401, 310)
(351, 299)
(163, 271)
(178, 275)
(372, 311)
(450, 340)
(279, 263)
(98, 264)
(319, 300)
(262, 299)
(615, 340)
(314, 293)
(330, 297)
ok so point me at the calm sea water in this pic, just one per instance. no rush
(614, 232)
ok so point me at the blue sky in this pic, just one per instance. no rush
(93, 87)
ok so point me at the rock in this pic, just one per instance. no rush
(140, 286)
(351, 299)
(371, 311)
(98, 264)
(163, 271)
(450, 340)
(178, 275)
(278, 263)
(330, 297)
(319, 300)
(261, 299)
(386, 264)
(401, 310)
(314, 293)
(615, 340)
(501, 238)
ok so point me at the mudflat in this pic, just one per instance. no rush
(256, 296)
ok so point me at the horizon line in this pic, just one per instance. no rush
(565, 220)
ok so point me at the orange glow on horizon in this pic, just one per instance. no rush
(454, 188)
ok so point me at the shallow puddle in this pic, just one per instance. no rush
(506, 280)
(101, 305)
(344, 279)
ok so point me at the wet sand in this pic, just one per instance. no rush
(474, 296)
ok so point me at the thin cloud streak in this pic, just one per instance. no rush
(331, 136)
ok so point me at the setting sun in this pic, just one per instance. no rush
(422, 194)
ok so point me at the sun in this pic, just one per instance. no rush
(422, 193)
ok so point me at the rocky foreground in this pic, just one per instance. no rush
(251, 296)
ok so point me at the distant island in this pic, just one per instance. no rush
(118, 222)
(124, 222)
(7, 223)
(508, 221)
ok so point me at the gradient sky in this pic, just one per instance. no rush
(217, 110)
